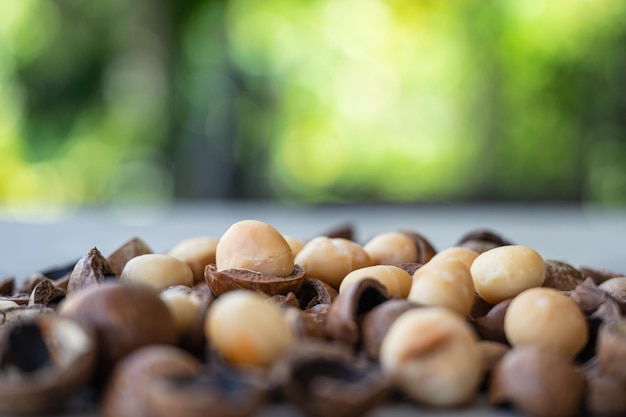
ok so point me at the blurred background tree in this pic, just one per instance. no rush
(316, 101)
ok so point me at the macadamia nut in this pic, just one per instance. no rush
(445, 283)
(158, 271)
(546, 318)
(391, 248)
(331, 259)
(295, 244)
(432, 355)
(396, 280)
(257, 246)
(506, 271)
(246, 330)
(197, 252)
(183, 304)
(465, 255)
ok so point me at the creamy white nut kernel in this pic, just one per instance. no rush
(396, 280)
(506, 271)
(432, 355)
(183, 304)
(445, 283)
(157, 271)
(391, 248)
(197, 252)
(546, 318)
(331, 259)
(246, 330)
(465, 255)
(254, 245)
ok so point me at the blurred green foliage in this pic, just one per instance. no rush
(323, 100)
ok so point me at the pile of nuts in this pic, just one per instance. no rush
(229, 326)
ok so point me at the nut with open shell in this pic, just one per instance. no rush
(44, 361)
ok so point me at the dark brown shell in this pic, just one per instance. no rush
(221, 282)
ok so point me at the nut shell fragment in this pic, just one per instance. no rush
(223, 281)
(538, 383)
(44, 361)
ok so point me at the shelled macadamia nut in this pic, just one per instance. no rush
(246, 330)
(391, 248)
(465, 255)
(546, 318)
(433, 356)
(331, 259)
(295, 244)
(254, 245)
(445, 283)
(505, 271)
(184, 305)
(197, 253)
(157, 271)
(396, 280)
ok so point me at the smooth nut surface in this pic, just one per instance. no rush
(505, 271)
(432, 355)
(396, 280)
(157, 271)
(246, 330)
(391, 248)
(459, 253)
(254, 245)
(331, 259)
(197, 253)
(546, 318)
(445, 283)
(184, 306)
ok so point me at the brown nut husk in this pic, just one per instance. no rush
(481, 240)
(91, 269)
(538, 382)
(314, 291)
(227, 280)
(218, 392)
(491, 325)
(134, 247)
(327, 380)
(611, 348)
(7, 285)
(616, 288)
(127, 393)
(605, 395)
(44, 361)
(343, 321)
(561, 275)
(598, 276)
(46, 293)
(22, 313)
(425, 249)
(125, 317)
(377, 321)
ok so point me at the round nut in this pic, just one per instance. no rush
(157, 271)
(331, 259)
(433, 356)
(505, 271)
(184, 305)
(246, 330)
(254, 245)
(396, 280)
(538, 383)
(465, 255)
(295, 244)
(445, 283)
(197, 253)
(125, 317)
(391, 248)
(545, 317)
